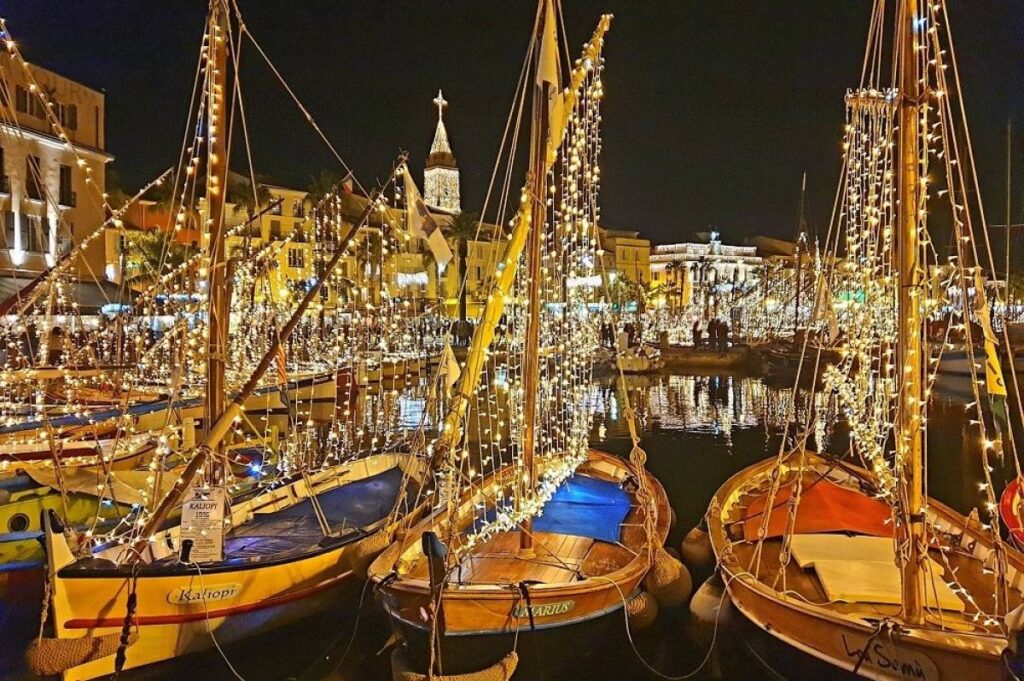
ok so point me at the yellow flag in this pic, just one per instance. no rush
(993, 370)
(548, 74)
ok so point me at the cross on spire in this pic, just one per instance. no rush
(441, 103)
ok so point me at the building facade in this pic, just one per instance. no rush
(703, 272)
(51, 189)
(626, 254)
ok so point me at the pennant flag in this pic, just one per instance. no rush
(422, 224)
(449, 368)
(993, 369)
(548, 74)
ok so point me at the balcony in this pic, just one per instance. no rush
(5, 184)
(68, 199)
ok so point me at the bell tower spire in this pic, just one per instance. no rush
(441, 176)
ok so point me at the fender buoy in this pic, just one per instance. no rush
(642, 611)
(696, 551)
(668, 580)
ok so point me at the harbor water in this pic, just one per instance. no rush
(697, 432)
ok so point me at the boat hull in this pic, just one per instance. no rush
(543, 650)
(841, 640)
(480, 619)
(180, 608)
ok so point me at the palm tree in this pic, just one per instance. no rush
(461, 229)
(321, 185)
(246, 199)
(153, 252)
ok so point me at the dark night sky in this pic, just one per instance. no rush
(714, 108)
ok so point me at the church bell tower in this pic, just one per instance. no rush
(441, 176)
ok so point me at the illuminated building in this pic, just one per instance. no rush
(54, 168)
(627, 255)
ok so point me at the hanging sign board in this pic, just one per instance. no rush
(202, 522)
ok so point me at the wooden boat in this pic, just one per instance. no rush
(507, 555)
(641, 360)
(116, 453)
(280, 554)
(708, 359)
(832, 616)
(279, 566)
(385, 371)
(959, 363)
(574, 583)
(859, 568)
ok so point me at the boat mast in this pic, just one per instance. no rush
(911, 400)
(538, 195)
(218, 294)
(1009, 210)
(801, 246)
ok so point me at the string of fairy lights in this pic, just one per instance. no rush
(133, 361)
(568, 340)
(857, 295)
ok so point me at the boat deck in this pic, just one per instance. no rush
(557, 559)
(594, 539)
(959, 567)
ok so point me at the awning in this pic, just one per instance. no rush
(91, 296)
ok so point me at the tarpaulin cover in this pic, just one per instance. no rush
(585, 507)
(824, 507)
(353, 505)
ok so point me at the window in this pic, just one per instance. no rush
(33, 171)
(275, 228)
(5, 181)
(21, 100)
(67, 196)
(276, 210)
(299, 210)
(296, 258)
(36, 106)
(8, 217)
(32, 233)
(68, 115)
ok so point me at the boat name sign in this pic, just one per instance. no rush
(202, 523)
(544, 609)
(187, 595)
(898, 663)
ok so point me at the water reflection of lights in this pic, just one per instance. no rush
(716, 405)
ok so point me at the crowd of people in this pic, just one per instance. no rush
(717, 334)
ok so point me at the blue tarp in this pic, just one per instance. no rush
(582, 507)
(355, 505)
(585, 507)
